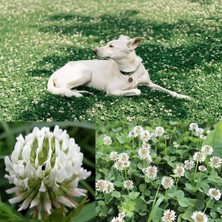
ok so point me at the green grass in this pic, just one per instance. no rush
(182, 51)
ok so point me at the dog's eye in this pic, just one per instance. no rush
(111, 46)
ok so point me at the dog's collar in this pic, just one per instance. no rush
(130, 73)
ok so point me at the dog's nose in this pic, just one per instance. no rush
(95, 51)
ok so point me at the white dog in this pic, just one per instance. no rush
(120, 75)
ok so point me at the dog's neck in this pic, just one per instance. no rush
(130, 63)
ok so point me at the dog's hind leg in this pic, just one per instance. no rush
(160, 88)
(80, 80)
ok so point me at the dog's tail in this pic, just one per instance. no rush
(61, 90)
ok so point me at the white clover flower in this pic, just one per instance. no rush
(145, 135)
(123, 157)
(107, 140)
(193, 126)
(199, 132)
(45, 168)
(120, 218)
(117, 219)
(128, 184)
(202, 168)
(199, 157)
(188, 164)
(179, 171)
(148, 159)
(153, 135)
(104, 186)
(214, 193)
(215, 162)
(143, 152)
(132, 134)
(198, 216)
(169, 216)
(150, 172)
(159, 130)
(137, 130)
(109, 187)
(207, 150)
(101, 185)
(167, 182)
(113, 155)
(146, 145)
(121, 164)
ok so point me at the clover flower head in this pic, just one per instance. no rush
(169, 216)
(143, 152)
(128, 184)
(137, 130)
(145, 135)
(107, 140)
(188, 164)
(132, 134)
(199, 157)
(150, 172)
(104, 186)
(146, 145)
(214, 193)
(113, 155)
(101, 185)
(120, 165)
(207, 150)
(45, 168)
(199, 216)
(193, 126)
(179, 171)
(199, 133)
(167, 182)
(123, 157)
(120, 218)
(215, 162)
(202, 168)
(159, 130)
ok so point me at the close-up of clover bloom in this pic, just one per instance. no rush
(45, 168)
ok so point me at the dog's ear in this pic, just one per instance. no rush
(124, 37)
(133, 43)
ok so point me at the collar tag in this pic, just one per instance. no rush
(130, 79)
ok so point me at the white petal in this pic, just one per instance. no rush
(12, 190)
(17, 199)
(25, 203)
(65, 201)
(35, 201)
(79, 192)
(8, 164)
(42, 188)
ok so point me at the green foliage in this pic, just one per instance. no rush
(148, 199)
(181, 50)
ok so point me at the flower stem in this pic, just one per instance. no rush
(195, 172)
(207, 205)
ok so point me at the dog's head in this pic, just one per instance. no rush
(119, 48)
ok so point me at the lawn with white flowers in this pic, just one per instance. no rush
(182, 51)
(154, 173)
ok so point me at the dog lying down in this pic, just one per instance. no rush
(119, 74)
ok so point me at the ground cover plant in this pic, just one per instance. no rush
(159, 173)
(42, 176)
(182, 51)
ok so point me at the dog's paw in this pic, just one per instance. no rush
(180, 96)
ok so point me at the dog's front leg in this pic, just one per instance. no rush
(129, 92)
